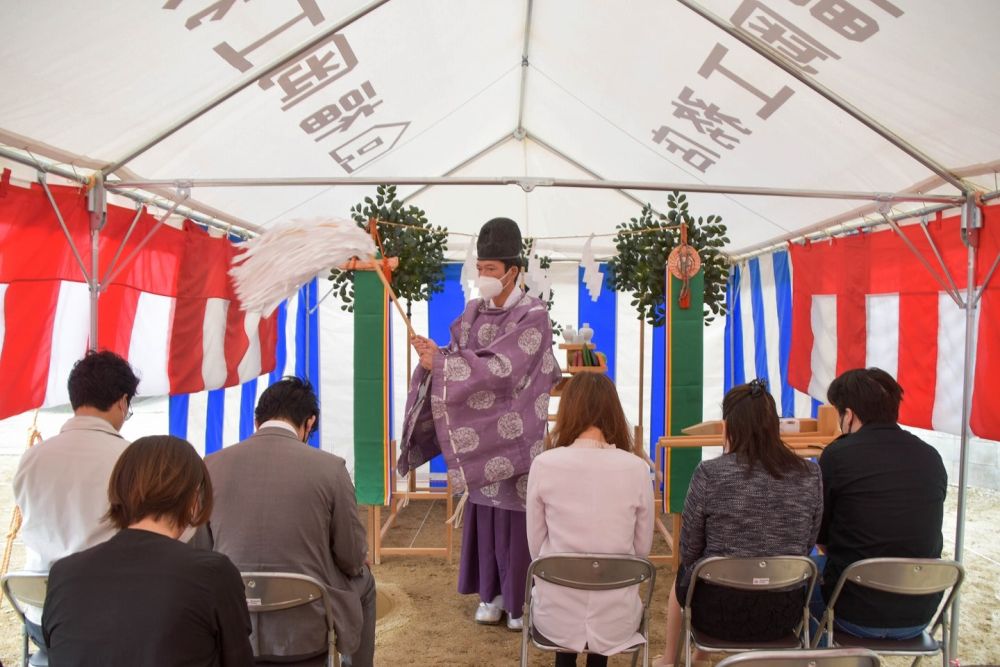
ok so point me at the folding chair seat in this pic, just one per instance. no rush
(589, 572)
(25, 589)
(759, 575)
(902, 576)
(270, 592)
(842, 657)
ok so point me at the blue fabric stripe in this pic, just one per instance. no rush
(213, 420)
(281, 345)
(312, 350)
(248, 401)
(815, 408)
(658, 395)
(735, 367)
(783, 292)
(443, 308)
(178, 415)
(307, 345)
(602, 315)
(727, 336)
(759, 326)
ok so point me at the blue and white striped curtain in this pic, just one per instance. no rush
(215, 419)
(758, 333)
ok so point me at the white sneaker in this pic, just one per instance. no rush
(490, 613)
(515, 624)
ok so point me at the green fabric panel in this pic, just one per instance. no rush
(370, 363)
(685, 384)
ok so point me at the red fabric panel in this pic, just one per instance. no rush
(34, 246)
(237, 343)
(186, 345)
(29, 315)
(852, 312)
(985, 418)
(115, 318)
(799, 357)
(918, 353)
(268, 332)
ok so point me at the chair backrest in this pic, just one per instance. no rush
(754, 574)
(274, 591)
(25, 589)
(904, 576)
(593, 572)
(838, 657)
(268, 592)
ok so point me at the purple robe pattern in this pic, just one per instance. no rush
(485, 403)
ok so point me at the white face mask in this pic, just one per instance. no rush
(490, 287)
(188, 533)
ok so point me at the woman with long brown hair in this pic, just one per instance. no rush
(757, 499)
(589, 493)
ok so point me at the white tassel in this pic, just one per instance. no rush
(275, 264)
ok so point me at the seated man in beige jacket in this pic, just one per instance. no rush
(283, 506)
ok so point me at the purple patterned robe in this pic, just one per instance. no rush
(485, 403)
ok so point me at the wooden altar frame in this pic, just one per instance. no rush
(397, 501)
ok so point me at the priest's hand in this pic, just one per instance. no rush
(427, 358)
(422, 345)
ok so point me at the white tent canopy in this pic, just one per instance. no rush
(881, 104)
(445, 83)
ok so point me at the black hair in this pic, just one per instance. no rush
(291, 399)
(100, 379)
(753, 431)
(871, 393)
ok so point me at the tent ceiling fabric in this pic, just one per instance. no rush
(643, 90)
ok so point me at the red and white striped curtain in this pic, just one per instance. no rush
(866, 300)
(171, 311)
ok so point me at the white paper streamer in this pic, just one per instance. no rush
(592, 276)
(469, 271)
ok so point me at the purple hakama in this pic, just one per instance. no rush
(495, 556)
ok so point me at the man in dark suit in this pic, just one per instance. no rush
(283, 506)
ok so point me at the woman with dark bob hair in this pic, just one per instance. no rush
(758, 499)
(589, 493)
(145, 597)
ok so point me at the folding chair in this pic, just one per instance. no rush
(25, 589)
(836, 657)
(903, 576)
(589, 572)
(268, 592)
(766, 574)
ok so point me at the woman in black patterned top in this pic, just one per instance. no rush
(757, 499)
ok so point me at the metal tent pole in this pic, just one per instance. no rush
(520, 132)
(529, 183)
(971, 221)
(98, 206)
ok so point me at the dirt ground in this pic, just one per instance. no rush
(424, 621)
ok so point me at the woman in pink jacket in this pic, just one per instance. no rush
(589, 493)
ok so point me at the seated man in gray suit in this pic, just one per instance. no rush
(283, 506)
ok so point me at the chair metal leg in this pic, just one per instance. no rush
(24, 660)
